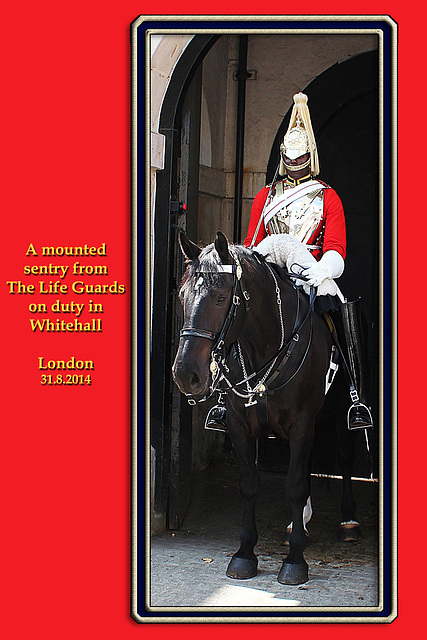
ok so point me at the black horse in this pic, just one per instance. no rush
(254, 335)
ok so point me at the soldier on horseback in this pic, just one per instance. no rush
(298, 205)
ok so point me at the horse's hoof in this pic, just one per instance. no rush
(293, 573)
(349, 532)
(242, 568)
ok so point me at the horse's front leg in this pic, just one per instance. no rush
(294, 569)
(244, 562)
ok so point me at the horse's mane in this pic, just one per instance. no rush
(208, 264)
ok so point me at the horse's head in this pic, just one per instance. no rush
(205, 293)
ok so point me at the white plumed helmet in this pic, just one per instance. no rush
(299, 138)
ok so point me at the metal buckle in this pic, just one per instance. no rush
(220, 397)
(354, 396)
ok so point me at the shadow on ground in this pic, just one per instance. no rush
(188, 565)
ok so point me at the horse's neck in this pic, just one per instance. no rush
(261, 334)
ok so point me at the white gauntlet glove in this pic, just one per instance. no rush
(331, 265)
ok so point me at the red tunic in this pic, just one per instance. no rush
(333, 223)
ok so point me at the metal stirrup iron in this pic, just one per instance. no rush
(359, 414)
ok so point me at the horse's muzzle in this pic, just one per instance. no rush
(188, 380)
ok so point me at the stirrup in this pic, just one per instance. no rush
(359, 417)
(216, 419)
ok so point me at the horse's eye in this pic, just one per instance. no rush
(221, 299)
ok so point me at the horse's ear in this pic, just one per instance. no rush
(190, 250)
(221, 245)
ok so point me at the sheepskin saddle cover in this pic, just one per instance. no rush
(288, 252)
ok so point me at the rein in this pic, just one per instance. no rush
(275, 365)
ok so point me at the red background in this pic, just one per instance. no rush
(65, 451)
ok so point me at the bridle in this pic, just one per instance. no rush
(220, 338)
(221, 350)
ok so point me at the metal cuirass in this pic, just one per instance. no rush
(299, 218)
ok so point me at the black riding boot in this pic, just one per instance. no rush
(216, 418)
(359, 415)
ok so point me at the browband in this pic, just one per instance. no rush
(225, 268)
(235, 269)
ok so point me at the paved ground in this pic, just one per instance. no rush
(188, 566)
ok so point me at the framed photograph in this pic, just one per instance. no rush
(246, 129)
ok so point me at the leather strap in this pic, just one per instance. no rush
(199, 333)
(262, 411)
